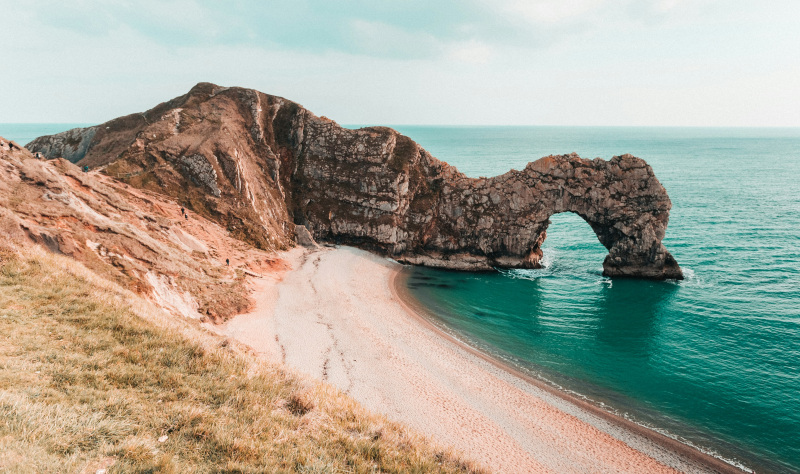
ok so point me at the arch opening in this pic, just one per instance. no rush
(572, 244)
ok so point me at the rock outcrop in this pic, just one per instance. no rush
(136, 238)
(260, 164)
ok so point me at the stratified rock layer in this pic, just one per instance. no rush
(260, 164)
(133, 237)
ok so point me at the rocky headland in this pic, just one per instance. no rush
(266, 169)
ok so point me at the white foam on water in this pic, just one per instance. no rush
(605, 281)
(548, 257)
(692, 279)
(525, 274)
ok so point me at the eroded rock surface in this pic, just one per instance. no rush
(260, 164)
(136, 238)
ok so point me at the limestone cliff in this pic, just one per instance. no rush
(136, 238)
(259, 164)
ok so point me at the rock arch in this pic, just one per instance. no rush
(377, 189)
(626, 207)
(620, 199)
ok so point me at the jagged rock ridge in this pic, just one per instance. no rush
(260, 164)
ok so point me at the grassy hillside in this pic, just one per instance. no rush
(92, 377)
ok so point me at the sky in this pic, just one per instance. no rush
(446, 62)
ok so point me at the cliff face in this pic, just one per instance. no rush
(259, 164)
(136, 238)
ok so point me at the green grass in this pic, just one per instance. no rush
(92, 376)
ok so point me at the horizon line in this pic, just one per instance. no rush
(362, 125)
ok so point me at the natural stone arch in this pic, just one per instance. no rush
(623, 203)
(620, 199)
(377, 189)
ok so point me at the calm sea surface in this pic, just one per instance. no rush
(24, 133)
(713, 360)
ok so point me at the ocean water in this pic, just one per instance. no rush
(714, 359)
(24, 133)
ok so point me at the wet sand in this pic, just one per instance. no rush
(340, 316)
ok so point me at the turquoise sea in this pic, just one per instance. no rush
(714, 359)
(24, 133)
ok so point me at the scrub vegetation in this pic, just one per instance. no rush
(94, 377)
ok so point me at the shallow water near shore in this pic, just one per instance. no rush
(711, 360)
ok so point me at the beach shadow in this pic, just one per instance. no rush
(628, 315)
(498, 309)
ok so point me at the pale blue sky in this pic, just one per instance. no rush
(490, 62)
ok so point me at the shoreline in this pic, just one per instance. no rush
(342, 315)
(419, 312)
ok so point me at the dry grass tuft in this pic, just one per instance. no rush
(300, 403)
(91, 375)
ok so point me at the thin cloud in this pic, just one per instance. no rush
(412, 29)
(667, 62)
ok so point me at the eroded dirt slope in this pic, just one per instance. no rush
(136, 237)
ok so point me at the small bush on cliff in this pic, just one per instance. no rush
(404, 151)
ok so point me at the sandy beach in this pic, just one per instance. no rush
(337, 316)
